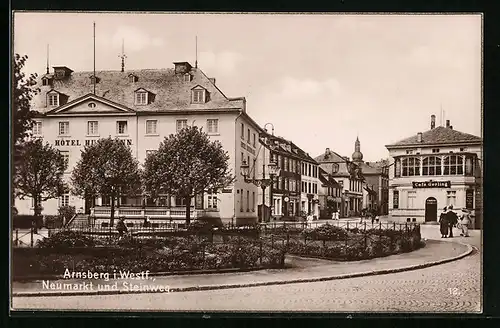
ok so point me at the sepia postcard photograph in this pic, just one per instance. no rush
(246, 162)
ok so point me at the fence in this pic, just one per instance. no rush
(275, 230)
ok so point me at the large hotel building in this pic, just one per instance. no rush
(142, 107)
(433, 169)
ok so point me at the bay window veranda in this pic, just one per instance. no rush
(444, 165)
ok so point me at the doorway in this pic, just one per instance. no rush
(430, 209)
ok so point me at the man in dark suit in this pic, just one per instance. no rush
(452, 219)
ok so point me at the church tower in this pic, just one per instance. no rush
(357, 156)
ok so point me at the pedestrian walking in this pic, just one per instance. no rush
(121, 227)
(452, 219)
(443, 224)
(464, 222)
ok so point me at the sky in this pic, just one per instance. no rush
(321, 79)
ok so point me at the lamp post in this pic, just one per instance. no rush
(262, 182)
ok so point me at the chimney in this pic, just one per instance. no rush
(182, 67)
(327, 151)
(419, 137)
(451, 127)
(433, 121)
(212, 79)
(447, 123)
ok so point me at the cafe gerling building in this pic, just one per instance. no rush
(433, 169)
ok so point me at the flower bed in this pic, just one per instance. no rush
(336, 243)
(78, 252)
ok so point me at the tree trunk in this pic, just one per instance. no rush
(36, 209)
(188, 210)
(112, 219)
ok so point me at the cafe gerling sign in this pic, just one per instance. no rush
(431, 184)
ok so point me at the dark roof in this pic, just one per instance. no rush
(438, 135)
(368, 169)
(171, 91)
(293, 149)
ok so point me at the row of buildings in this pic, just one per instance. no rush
(275, 179)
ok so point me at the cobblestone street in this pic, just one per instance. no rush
(450, 287)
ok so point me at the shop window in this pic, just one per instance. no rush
(395, 199)
(412, 195)
(451, 197)
(431, 166)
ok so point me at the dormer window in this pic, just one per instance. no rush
(62, 71)
(132, 78)
(143, 97)
(46, 81)
(187, 77)
(53, 99)
(199, 95)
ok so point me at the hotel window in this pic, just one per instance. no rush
(411, 167)
(141, 98)
(275, 184)
(53, 99)
(212, 201)
(198, 96)
(64, 200)
(282, 181)
(286, 164)
(242, 131)
(308, 187)
(435, 150)
(241, 200)
(187, 77)
(309, 171)
(395, 199)
(431, 166)
(92, 128)
(63, 128)
(469, 166)
(453, 165)
(248, 135)
(254, 140)
(451, 197)
(37, 128)
(181, 124)
(180, 201)
(412, 195)
(248, 201)
(287, 184)
(213, 126)
(253, 201)
(65, 155)
(151, 126)
(121, 127)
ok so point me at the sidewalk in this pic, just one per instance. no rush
(301, 270)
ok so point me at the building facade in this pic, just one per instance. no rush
(349, 177)
(330, 200)
(434, 169)
(310, 185)
(142, 107)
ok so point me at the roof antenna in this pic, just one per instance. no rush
(95, 79)
(47, 59)
(123, 56)
(196, 45)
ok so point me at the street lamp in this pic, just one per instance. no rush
(263, 182)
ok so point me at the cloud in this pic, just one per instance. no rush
(224, 62)
(424, 56)
(134, 39)
(296, 88)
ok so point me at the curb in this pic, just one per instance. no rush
(255, 284)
